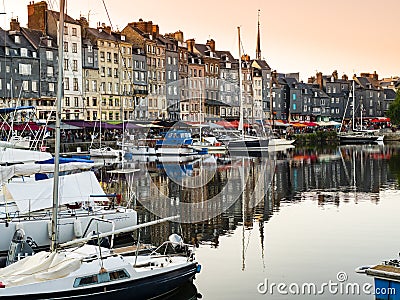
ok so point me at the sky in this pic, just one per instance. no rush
(305, 36)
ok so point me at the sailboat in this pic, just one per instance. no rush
(360, 136)
(245, 143)
(95, 271)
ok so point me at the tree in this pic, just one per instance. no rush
(394, 109)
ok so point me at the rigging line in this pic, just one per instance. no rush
(108, 15)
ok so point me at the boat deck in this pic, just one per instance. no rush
(385, 271)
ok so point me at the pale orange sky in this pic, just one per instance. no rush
(350, 36)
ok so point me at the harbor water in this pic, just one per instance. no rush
(306, 220)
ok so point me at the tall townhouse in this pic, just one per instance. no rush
(45, 20)
(247, 89)
(145, 35)
(193, 107)
(171, 77)
(280, 97)
(229, 85)
(183, 68)
(262, 70)
(113, 60)
(91, 78)
(369, 96)
(257, 95)
(127, 76)
(140, 85)
(211, 74)
(19, 70)
(47, 51)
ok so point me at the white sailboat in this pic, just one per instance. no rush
(92, 271)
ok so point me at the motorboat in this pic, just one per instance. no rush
(176, 143)
(106, 152)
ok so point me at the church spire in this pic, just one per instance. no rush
(258, 47)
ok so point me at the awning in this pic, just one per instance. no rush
(380, 120)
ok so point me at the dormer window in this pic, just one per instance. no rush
(24, 52)
(17, 39)
(122, 37)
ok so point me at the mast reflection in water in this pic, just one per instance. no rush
(307, 214)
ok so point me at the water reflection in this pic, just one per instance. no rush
(278, 190)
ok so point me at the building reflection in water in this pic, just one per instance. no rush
(207, 193)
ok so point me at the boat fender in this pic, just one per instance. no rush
(19, 226)
(198, 268)
(49, 229)
(78, 229)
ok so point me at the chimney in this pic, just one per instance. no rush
(179, 36)
(211, 44)
(155, 31)
(14, 25)
(37, 15)
(245, 57)
(190, 45)
(335, 74)
(319, 80)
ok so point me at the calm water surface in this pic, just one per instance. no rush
(305, 216)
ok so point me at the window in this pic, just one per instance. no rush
(94, 86)
(50, 71)
(67, 103)
(76, 101)
(74, 31)
(75, 84)
(90, 60)
(25, 85)
(66, 83)
(65, 30)
(24, 69)
(115, 58)
(51, 87)
(116, 72)
(65, 64)
(294, 106)
(109, 87)
(90, 48)
(74, 47)
(49, 55)
(109, 56)
(17, 39)
(24, 52)
(109, 72)
(65, 46)
(102, 55)
(94, 103)
(34, 86)
(75, 65)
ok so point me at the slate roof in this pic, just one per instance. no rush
(36, 37)
(67, 18)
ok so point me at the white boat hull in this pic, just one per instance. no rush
(38, 229)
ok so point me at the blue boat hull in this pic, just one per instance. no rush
(146, 288)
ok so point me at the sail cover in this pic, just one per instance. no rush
(38, 195)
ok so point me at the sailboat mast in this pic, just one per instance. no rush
(354, 103)
(54, 233)
(240, 127)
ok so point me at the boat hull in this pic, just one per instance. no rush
(360, 139)
(38, 229)
(144, 288)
